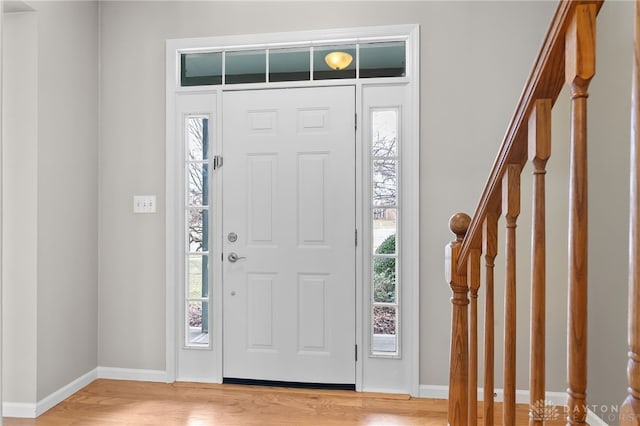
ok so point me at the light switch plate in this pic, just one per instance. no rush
(144, 203)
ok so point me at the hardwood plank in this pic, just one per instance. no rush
(121, 402)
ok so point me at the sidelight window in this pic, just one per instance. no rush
(384, 218)
(196, 291)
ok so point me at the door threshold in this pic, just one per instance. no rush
(284, 384)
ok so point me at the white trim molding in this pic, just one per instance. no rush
(33, 410)
(22, 410)
(594, 420)
(132, 374)
(434, 392)
(2, 5)
(65, 392)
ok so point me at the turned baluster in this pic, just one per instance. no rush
(473, 279)
(511, 210)
(459, 361)
(579, 69)
(630, 411)
(539, 152)
(490, 249)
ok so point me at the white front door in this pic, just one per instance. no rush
(289, 219)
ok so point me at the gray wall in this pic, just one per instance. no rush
(67, 192)
(609, 207)
(20, 210)
(461, 45)
(475, 59)
(51, 292)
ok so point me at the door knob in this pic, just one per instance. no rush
(233, 257)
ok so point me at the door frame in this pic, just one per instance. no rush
(366, 364)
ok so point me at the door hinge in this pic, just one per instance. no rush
(356, 352)
(356, 239)
(217, 162)
(356, 122)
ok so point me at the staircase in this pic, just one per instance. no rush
(567, 57)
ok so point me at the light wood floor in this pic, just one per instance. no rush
(111, 402)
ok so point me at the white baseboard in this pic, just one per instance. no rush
(434, 392)
(132, 374)
(522, 397)
(65, 392)
(390, 391)
(30, 411)
(19, 409)
(594, 420)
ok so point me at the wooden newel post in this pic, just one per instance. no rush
(580, 48)
(630, 412)
(459, 364)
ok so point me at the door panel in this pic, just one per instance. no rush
(289, 195)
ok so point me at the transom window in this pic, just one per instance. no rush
(307, 63)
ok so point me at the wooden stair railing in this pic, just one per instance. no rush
(566, 57)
